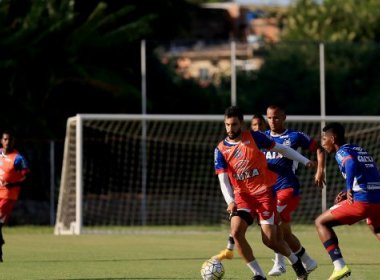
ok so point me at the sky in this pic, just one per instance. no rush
(264, 2)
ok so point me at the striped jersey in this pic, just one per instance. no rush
(360, 171)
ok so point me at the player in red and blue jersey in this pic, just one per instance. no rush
(363, 200)
(287, 186)
(13, 172)
(246, 184)
(258, 123)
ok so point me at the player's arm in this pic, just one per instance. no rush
(264, 142)
(19, 183)
(313, 146)
(22, 168)
(292, 154)
(227, 191)
(220, 166)
(349, 166)
(319, 177)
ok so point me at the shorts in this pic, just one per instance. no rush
(348, 214)
(287, 203)
(261, 206)
(6, 207)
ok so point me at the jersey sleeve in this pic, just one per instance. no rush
(262, 141)
(306, 142)
(21, 165)
(220, 164)
(347, 166)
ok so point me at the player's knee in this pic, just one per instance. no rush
(319, 221)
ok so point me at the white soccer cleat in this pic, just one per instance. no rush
(310, 265)
(277, 269)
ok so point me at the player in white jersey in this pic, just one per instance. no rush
(363, 200)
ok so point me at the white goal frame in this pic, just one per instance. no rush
(76, 227)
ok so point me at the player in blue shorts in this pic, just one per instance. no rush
(287, 186)
(363, 195)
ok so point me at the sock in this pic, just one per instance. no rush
(1, 234)
(230, 243)
(292, 258)
(255, 268)
(339, 263)
(302, 254)
(332, 247)
(279, 259)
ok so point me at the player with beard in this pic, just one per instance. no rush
(246, 184)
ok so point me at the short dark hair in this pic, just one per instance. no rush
(276, 107)
(338, 130)
(234, 111)
(258, 116)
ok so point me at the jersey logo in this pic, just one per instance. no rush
(272, 155)
(365, 159)
(237, 153)
(287, 142)
(243, 172)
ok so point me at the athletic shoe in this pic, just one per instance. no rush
(1, 253)
(339, 274)
(224, 254)
(258, 277)
(310, 265)
(299, 270)
(277, 269)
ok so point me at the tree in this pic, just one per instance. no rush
(333, 21)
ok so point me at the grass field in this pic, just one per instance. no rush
(165, 253)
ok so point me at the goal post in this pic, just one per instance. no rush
(137, 170)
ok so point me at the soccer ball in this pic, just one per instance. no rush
(212, 269)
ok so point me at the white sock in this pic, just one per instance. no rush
(255, 268)
(305, 257)
(339, 263)
(293, 258)
(279, 259)
(230, 243)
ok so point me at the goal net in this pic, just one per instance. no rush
(138, 170)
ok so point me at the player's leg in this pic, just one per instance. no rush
(6, 207)
(271, 240)
(271, 237)
(342, 213)
(239, 224)
(373, 221)
(228, 252)
(287, 203)
(375, 231)
(1, 242)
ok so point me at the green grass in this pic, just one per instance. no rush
(165, 253)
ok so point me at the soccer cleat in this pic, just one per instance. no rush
(258, 277)
(277, 269)
(339, 274)
(299, 270)
(224, 254)
(310, 265)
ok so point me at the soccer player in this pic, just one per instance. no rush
(363, 194)
(287, 186)
(13, 172)
(246, 184)
(258, 123)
